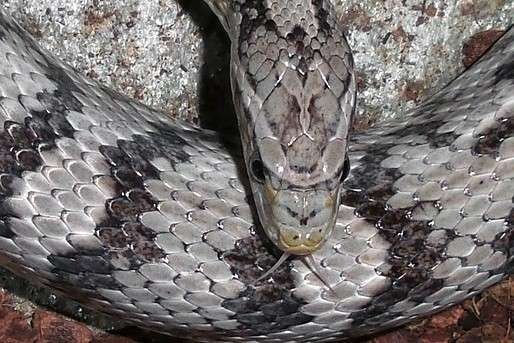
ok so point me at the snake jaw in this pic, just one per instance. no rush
(293, 242)
(298, 222)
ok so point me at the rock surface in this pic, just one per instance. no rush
(163, 52)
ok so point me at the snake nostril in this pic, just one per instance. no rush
(304, 220)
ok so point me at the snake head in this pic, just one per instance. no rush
(298, 220)
(294, 91)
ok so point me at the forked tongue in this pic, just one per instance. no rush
(277, 265)
(309, 262)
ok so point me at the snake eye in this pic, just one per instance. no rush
(346, 169)
(257, 170)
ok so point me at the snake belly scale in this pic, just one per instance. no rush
(151, 220)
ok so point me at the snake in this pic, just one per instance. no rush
(305, 231)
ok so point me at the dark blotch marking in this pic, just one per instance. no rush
(253, 14)
(89, 282)
(297, 35)
(20, 143)
(130, 243)
(322, 16)
(370, 176)
(428, 129)
(20, 147)
(504, 242)
(490, 141)
(411, 259)
(81, 264)
(271, 26)
(5, 231)
(127, 243)
(265, 307)
(505, 72)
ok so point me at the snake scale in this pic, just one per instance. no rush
(152, 220)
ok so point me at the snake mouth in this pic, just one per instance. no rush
(302, 249)
(294, 242)
(297, 222)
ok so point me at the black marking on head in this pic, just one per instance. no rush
(296, 37)
(254, 17)
(267, 306)
(303, 52)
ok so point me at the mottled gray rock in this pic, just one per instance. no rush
(154, 51)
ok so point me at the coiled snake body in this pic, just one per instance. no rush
(149, 219)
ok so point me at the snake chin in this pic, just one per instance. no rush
(298, 222)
